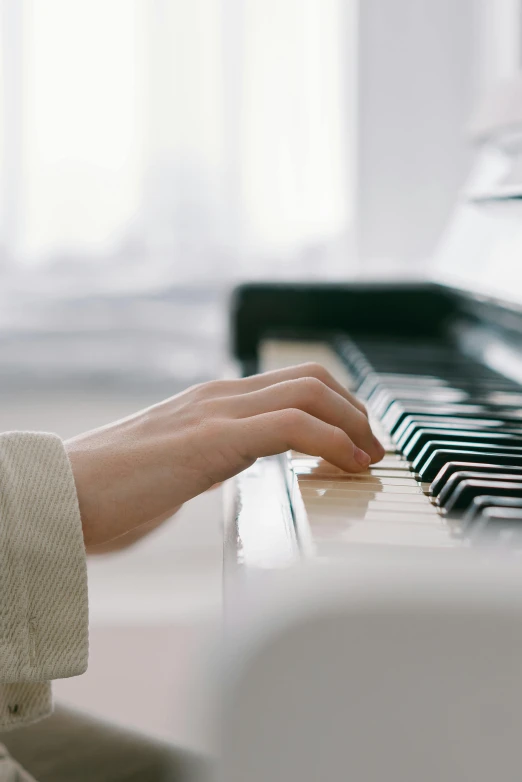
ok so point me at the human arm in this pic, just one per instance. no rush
(146, 465)
(128, 539)
(111, 485)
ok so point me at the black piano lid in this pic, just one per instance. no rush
(425, 311)
(302, 310)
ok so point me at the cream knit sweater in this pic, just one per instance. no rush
(43, 579)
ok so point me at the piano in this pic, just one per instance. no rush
(438, 363)
(374, 621)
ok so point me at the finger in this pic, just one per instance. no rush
(257, 382)
(292, 429)
(313, 397)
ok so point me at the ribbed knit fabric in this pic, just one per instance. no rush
(43, 578)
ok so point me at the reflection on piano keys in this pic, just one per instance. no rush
(365, 508)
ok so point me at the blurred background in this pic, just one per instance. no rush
(153, 153)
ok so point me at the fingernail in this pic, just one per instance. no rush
(361, 457)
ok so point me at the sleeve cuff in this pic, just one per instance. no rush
(43, 574)
(21, 704)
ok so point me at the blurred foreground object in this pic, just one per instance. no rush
(396, 666)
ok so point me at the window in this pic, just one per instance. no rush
(195, 138)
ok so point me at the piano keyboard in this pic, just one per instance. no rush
(452, 430)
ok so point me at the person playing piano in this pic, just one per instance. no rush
(102, 491)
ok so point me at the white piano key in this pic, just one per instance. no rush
(362, 504)
(379, 473)
(315, 466)
(392, 478)
(393, 462)
(358, 480)
(344, 489)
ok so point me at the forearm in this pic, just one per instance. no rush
(128, 539)
(145, 466)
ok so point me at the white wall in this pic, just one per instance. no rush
(422, 65)
(499, 40)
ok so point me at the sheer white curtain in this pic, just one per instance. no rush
(203, 138)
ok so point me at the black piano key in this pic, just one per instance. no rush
(506, 398)
(405, 432)
(411, 422)
(398, 412)
(377, 388)
(423, 437)
(454, 429)
(497, 526)
(483, 384)
(437, 445)
(430, 468)
(496, 513)
(440, 394)
(480, 504)
(447, 413)
(494, 419)
(393, 360)
(385, 399)
(460, 477)
(386, 382)
(467, 490)
(451, 468)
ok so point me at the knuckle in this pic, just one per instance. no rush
(212, 432)
(292, 419)
(210, 389)
(312, 387)
(314, 369)
(200, 391)
(218, 427)
(205, 409)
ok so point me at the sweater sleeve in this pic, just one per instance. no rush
(43, 578)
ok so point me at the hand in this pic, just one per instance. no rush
(144, 466)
